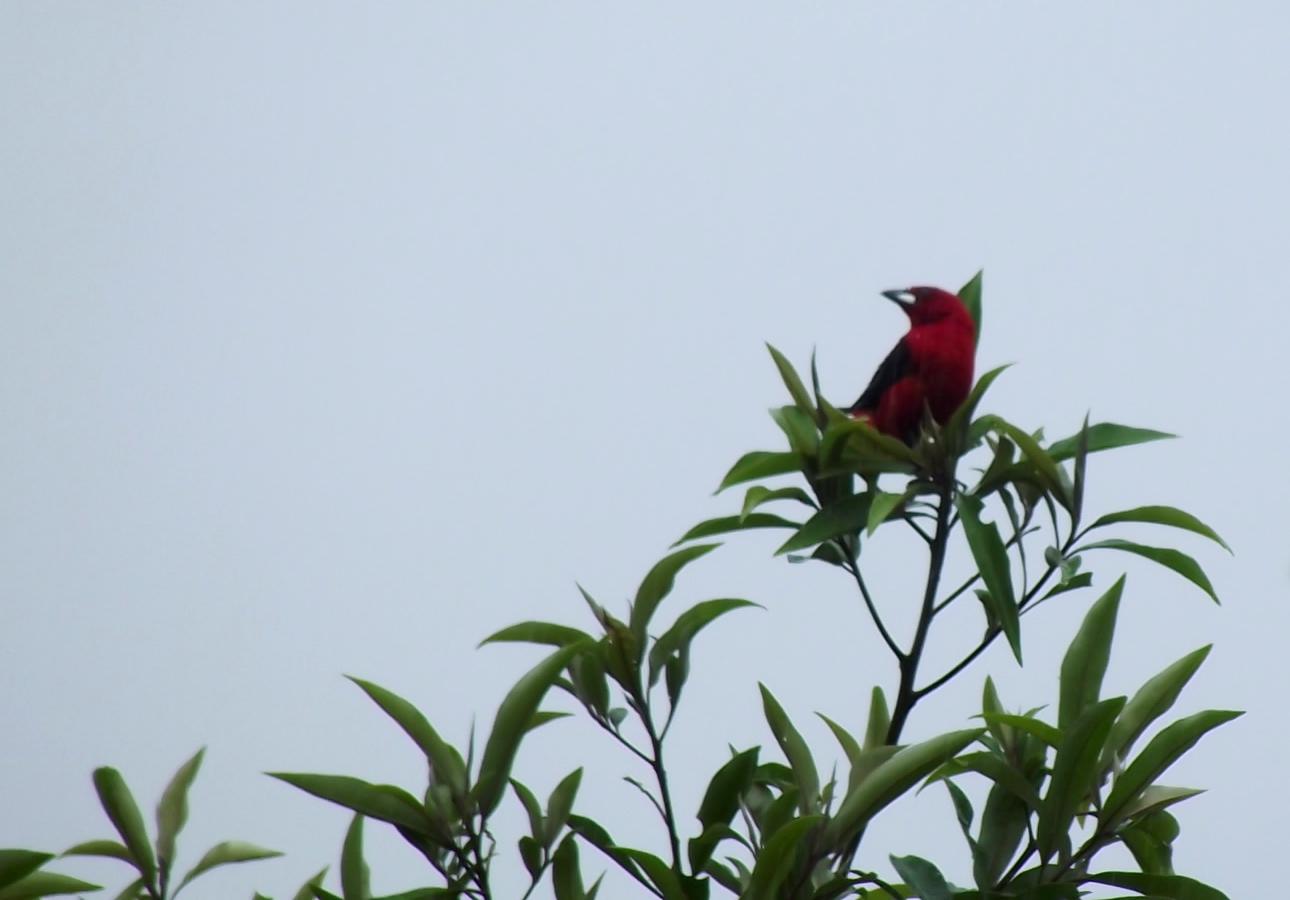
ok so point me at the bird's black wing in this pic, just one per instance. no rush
(896, 366)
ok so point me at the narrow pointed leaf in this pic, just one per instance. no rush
(531, 807)
(45, 884)
(537, 633)
(511, 723)
(447, 762)
(882, 506)
(121, 809)
(847, 516)
(721, 799)
(1174, 887)
(960, 418)
(172, 811)
(728, 524)
(1029, 724)
(970, 294)
(560, 804)
(1152, 701)
(1075, 769)
(109, 849)
(758, 495)
(1161, 752)
(225, 853)
(893, 778)
(353, 868)
(306, 891)
(992, 562)
(1180, 562)
(566, 874)
(850, 746)
(658, 583)
(926, 880)
(792, 381)
(775, 860)
(383, 802)
(1105, 436)
(16, 865)
(761, 464)
(795, 749)
(875, 733)
(1163, 515)
(1086, 658)
(684, 629)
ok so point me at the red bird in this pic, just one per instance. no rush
(931, 365)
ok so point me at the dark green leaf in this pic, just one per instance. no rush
(1075, 772)
(958, 421)
(1043, 462)
(447, 762)
(659, 873)
(847, 516)
(1075, 582)
(758, 495)
(1163, 515)
(45, 884)
(1086, 658)
(172, 811)
(799, 427)
(776, 858)
(970, 294)
(1180, 562)
(566, 876)
(594, 834)
(683, 630)
(1081, 467)
(1003, 824)
(891, 779)
(1160, 753)
(354, 878)
(727, 524)
(795, 749)
(1152, 701)
(530, 855)
(881, 508)
(118, 803)
(793, 382)
(560, 804)
(1105, 436)
(109, 849)
(926, 880)
(721, 799)
(658, 584)
(383, 802)
(992, 561)
(1175, 887)
(16, 865)
(537, 633)
(760, 464)
(531, 807)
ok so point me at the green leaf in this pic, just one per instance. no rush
(1081, 467)
(728, 524)
(45, 884)
(118, 803)
(875, 734)
(658, 584)
(998, 770)
(382, 802)
(894, 777)
(659, 873)
(109, 849)
(926, 880)
(794, 748)
(1152, 701)
(957, 426)
(531, 855)
(1105, 436)
(1160, 753)
(776, 859)
(992, 561)
(1043, 462)
(354, 878)
(847, 516)
(543, 716)
(566, 875)
(761, 464)
(511, 723)
(1180, 562)
(560, 804)
(447, 762)
(16, 865)
(1075, 772)
(796, 389)
(531, 807)
(592, 832)
(1150, 840)
(1158, 797)
(306, 891)
(225, 853)
(1075, 582)
(721, 799)
(1086, 659)
(684, 629)
(172, 811)
(758, 495)
(1003, 824)
(1175, 887)
(1029, 724)
(970, 294)
(882, 506)
(799, 427)
(536, 633)
(850, 746)
(1163, 515)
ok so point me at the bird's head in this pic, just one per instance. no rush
(925, 305)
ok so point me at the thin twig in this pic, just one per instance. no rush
(854, 568)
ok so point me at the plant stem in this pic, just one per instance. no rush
(660, 775)
(854, 568)
(906, 695)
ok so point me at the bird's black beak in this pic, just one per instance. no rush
(901, 298)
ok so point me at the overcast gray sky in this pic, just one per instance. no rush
(334, 337)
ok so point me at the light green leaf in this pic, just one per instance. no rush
(992, 562)
(225, 853)
(795, 749)
(1029, 724)
(881, 507)
(1152, 701)
(658, 583)
(45, 884)
(728, 524)
(118, 803)
(875, 734)
(793, 382)
(761, 464)
(382, 802)
(172, 811)
(537, 633)
(970, 294)
(1105, 436)
(109, 849)
(684, 629)
(1086, 658)
(759, 495)
(447, 762)
(1075, 771)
